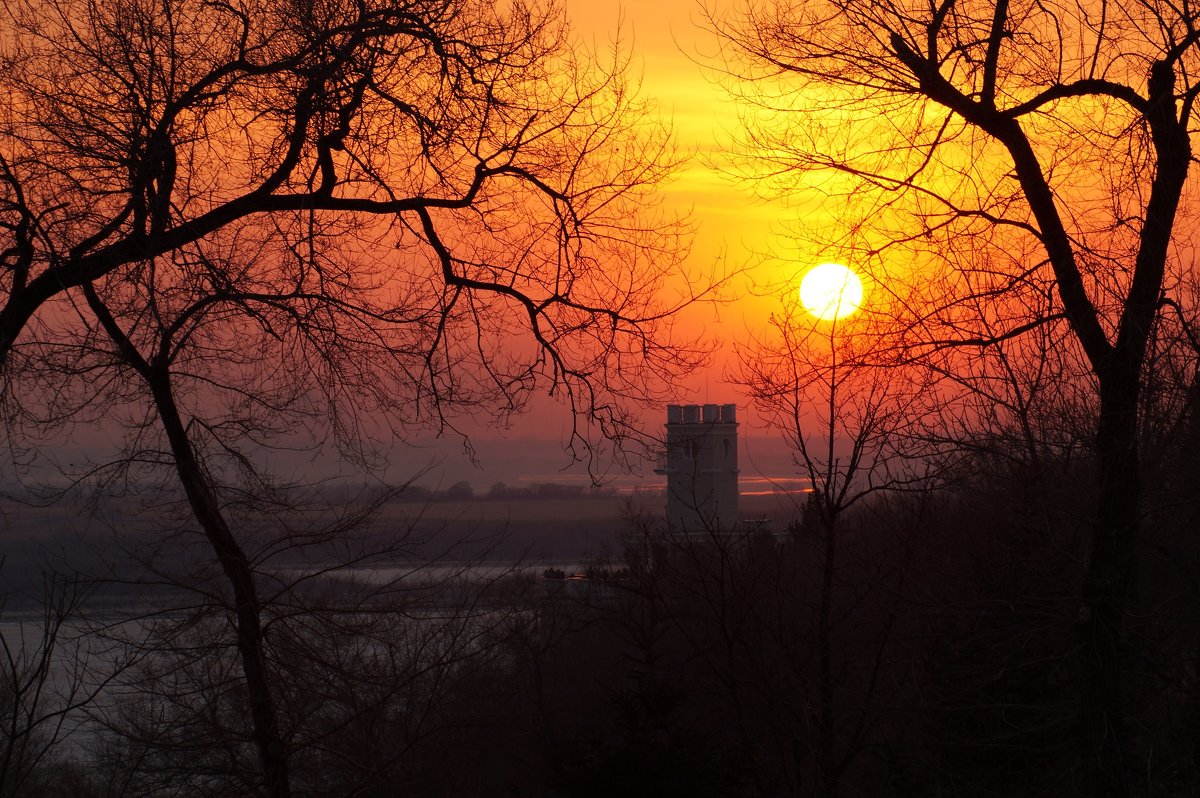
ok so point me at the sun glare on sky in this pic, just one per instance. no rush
(831, 291)
(756, 238)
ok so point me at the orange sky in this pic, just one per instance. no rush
(671, 53)
(733, 227)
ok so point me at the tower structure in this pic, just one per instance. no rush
(701, 467)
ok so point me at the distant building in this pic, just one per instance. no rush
(700, 465)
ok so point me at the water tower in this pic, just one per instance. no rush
(701, 467)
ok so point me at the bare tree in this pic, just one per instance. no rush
(855, 427)
(1060, 134)
(474, 171)
(45, 685)
(221, 380)
(278, 224)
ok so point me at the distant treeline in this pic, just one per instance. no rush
(536, 491)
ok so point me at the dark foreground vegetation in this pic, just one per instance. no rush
(237, 233)
(931, 655)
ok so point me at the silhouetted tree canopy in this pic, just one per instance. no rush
(1018, 172)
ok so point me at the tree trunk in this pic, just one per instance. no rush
(1104, 769)
(825, 754)
(233, 560)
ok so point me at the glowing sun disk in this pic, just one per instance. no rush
(831, 291)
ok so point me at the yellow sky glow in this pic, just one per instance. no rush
(735, 227)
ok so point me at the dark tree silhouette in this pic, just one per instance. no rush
(855, 427)
(239, 225)
(465, 172)
(1015, 143)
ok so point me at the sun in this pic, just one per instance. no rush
(831, 291)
